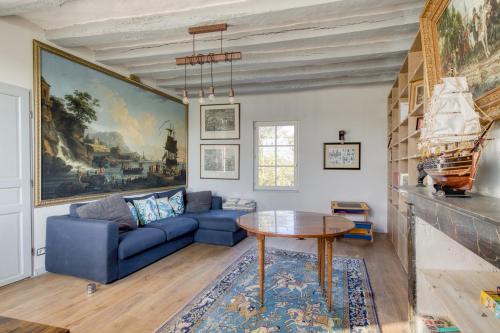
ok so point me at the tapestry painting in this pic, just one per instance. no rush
(469, 43)
(98, 132)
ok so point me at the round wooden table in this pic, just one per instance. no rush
(293, 224)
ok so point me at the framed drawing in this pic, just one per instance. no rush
(342, 156)
(419, 123)
(416, 94)
(219, 161)
(461, 35)
(97, 132)
(220, 121)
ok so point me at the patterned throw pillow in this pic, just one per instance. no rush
(177, 203)
(147, 209)
(133, 210)
(165, 208)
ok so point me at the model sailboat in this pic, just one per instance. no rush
(452, 137)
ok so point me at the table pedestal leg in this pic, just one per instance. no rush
(261, 239)
(330, 272)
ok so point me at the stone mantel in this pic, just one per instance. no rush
(472, 222)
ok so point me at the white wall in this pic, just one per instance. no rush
(16, 68)
(361, 111)
(488, 175)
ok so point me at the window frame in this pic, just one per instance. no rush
(256, 126)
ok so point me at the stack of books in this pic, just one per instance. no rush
(240, 204)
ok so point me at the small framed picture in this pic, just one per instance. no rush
(220, 161)
(342, 156)
(220, 121)
(420, 123)
(416, 94)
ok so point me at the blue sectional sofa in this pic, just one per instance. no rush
(98, 251)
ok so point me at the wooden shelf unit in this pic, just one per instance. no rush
(457, 295)
(403, 154)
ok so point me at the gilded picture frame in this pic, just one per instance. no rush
(167, 112)
(488, 101)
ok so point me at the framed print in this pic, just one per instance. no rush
(342, 156)
(416, 94)
(97, 132)
(220, 121)
(219, 161)
(462, 35)
(420, 123)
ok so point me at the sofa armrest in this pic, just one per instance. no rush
(82, 247)
(216, 202)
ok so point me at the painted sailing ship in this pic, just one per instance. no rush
(452, 137)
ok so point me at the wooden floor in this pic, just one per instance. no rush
(145, 299)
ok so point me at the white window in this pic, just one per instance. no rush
(275, 156)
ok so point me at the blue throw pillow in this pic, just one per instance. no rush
(133, 210)
(147, 209)
(177, 203)
(165, 208)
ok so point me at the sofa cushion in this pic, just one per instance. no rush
(139, 240)
(147, 209)
(112, 208)
(177, 203)
(170, 193)
(165, 208)
(174, 227)
(218, 219)
(197, 202)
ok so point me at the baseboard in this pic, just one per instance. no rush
(39, 271)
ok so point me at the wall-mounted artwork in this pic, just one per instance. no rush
(98, 132)
(219, 161)
(342, 156)
(462, 35)
(416, 94)
(220, 121)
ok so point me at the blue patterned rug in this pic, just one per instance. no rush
(293, 299)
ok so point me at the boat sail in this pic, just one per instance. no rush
(452, 137)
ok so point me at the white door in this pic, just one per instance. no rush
(15, 184)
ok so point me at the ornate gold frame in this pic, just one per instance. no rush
(37, 48)
(490, 101)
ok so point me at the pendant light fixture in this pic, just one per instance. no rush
(211, 90)
(185, 98)
(231, 90)
(200, 59)
(201, 93)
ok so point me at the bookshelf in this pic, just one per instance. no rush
(403, 154)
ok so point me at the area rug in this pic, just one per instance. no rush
(293, 298)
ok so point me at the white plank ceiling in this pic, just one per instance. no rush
(287, 44)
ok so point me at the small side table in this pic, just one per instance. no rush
(363, 229)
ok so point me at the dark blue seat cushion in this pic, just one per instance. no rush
(136, 241)
(218, 219)
(174, 227)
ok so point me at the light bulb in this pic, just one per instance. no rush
(201, 94)
(211, 93)
(185, 98)
(231, 96)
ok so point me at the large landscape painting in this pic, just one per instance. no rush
(469, 42)
(98, 132)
